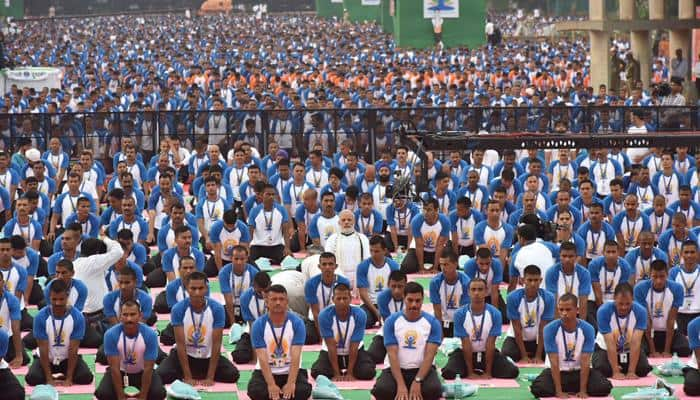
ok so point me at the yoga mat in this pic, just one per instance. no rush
(100, 369)
(163, 317)
(218, 388)
(491, 383)
(218, 297)
(522, 364)
(354, 385)
(655, 362)
(312, 347)
(245, 367)
(75, 389)
(154, 292)
(641, 382)
(242, 395)
(301, 254)
(574, 396)
(83, 351)
(21, 370)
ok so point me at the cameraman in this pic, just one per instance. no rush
(673, 118)
(532, 251)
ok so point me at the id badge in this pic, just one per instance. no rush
(237, 311)
(688, 302)
(56, 362)
(126, 380)
(479, 357)
(623, 358)
(200, 352)
(446, 324)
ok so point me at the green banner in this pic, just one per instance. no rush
(329, 8)
(363, 10)
(413, 30)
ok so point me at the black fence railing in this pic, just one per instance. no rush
(368, 131)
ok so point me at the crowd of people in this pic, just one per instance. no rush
(578, 236)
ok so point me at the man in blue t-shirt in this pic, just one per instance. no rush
(131, 348)
(412, 338)
(430, 231)
(342, 325)
(529, 310)
(691, 375)
(569, 342)
(621, 325)
(478, 325)
(252, 307)
(10, 387)
(58, 329)
(198, 322)
(278, 338)
(389, 301)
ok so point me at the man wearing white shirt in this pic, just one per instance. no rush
(349, 247)
(638, 127)
(278, 337)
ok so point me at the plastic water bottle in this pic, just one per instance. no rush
(458, 387)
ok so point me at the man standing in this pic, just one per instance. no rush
(131, 348)
(342, 329)
(278, 337)
(569, 344)
(411, 338)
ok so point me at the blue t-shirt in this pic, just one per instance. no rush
(132, 351)
(112, 303)
(316, 292)
(77, 293)
(234, 284)
(609, 279)
(621, 327)
(411, 337)
(265, 336)
(430, 233)
(387, 305)
(568, 346)
(345, 332)
(558, 283)
(530, 313)
(478, 327)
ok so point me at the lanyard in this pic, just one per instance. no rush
(561, 174)
(631, 230)
(268, 222)
(74, 205)
(342, 338)
(623, 333)
(403, 216)
(296, 194)
(689, 289)
(667, 184)
(211, 207)
(568, 288)
(236, 288)
(317, 181)
(595, 239)
(279, 348)
(257, 306)
(323, 293)
(398, 305)
(239, 176)
(646, 269)
(197, 334)
(129, 356)
(57, 334)
(609, 285)
(603, 171)
(569, 353)
(451, 303)
(22, 233)
(652, 306)
(476, 337)
(366, 227)
(530, 322)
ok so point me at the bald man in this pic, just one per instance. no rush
(350, 247)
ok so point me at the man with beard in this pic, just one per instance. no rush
(381, 197)
(349, 247)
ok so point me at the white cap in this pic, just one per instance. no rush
(33, 155)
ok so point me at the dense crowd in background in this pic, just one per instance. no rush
(260, 150)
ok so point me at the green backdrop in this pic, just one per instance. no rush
(411, 30)
(326, 9)
(16, 9)
(386, 19)
(360, 13)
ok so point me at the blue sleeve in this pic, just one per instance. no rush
(497, 272)
(589, 337)
(143, 235)
(550, 337)
(146, 303)
(640, 314)
(585, 286)
(479, 234)
(435, 335)
(108, 305)
(225, 279)
(215, 232)
(497, 324)
(459, 317)
(56, 205)
(310, 292)
(151, 341)
(299, 214)
(512, 270)
(640, 293)
(313, 229)
(508, 240)
(14, 308)
(177, 314)
(299, 332)
(548, 313)
(245, 232)
(604, 315)
(7, 230)
(199, 213)
(82, 295)
(257, 333)
(512, 303)
(325, 323)
(199, 259)
(594, 269)
(285, 214)
(550, 280)
(78, 326)
(246, 298)
(111, 340)
(678, 295)
(694, 334)
(171, 294)
(219, 315)
(435, 290)
(167, 261)
(358, 333)
(286, 198)
(626, 270)
(390, 215)
(445, 226)
(416, 223)
(39, 328)
(361, 274)
(389, 333)
(22, 281)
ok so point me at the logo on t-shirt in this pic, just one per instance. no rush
(410, 339)
(379, 284)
